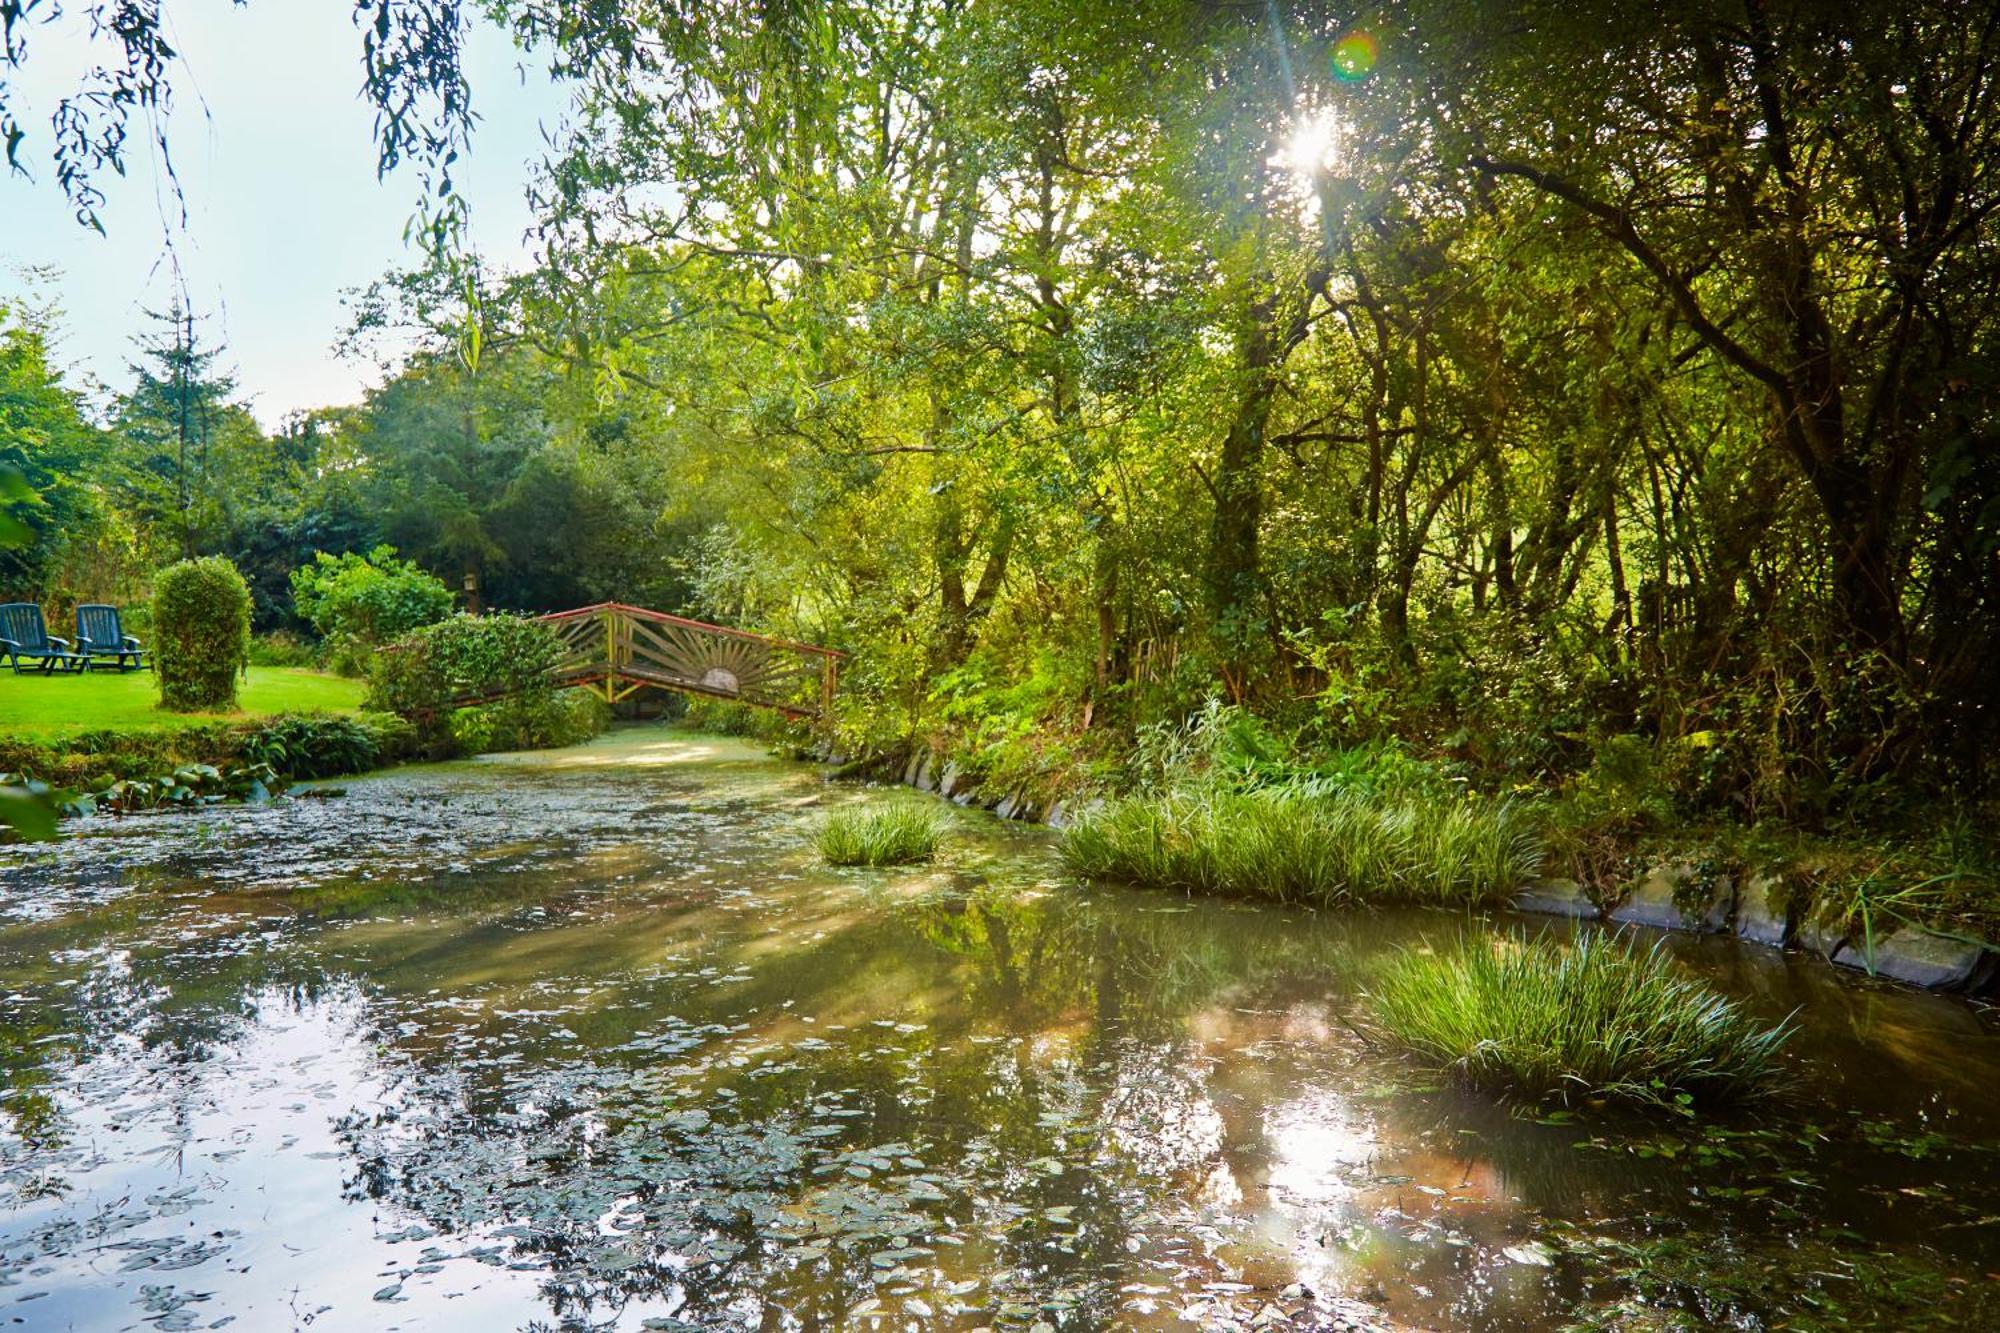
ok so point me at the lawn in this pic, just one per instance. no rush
(45, 707)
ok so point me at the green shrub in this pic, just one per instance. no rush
(314, 747)
(201, 633)
(901, 834)
(431, 670)
(294, 747)
(1307, 847)
(1545, 1020)
(719, 717)
(358, 602)
(536, 721)
(396, 739)
(190, 784)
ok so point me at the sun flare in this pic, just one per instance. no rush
(1314, 145)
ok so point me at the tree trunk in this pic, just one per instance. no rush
(1233, 582)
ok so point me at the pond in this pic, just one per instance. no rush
(591, 1040)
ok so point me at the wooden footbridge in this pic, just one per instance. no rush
(623, 649)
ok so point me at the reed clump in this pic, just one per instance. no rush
(1547, 1020)
(890, 836)
(1307, 846)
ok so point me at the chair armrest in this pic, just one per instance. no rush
(57, 638)
(131, 643)
(85, 642)
(8, 645)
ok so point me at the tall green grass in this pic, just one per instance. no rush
(1308, 846)
(1545, 1020)
(892, 836)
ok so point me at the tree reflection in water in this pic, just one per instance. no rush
(668, 1067)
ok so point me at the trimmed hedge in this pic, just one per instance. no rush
(201, 633)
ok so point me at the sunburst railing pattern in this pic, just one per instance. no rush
(622, 649)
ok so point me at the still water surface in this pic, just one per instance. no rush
(590, 1040)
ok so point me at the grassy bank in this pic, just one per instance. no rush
(1308, 847)
(1225, 801)
(78, 734)
(49, 708)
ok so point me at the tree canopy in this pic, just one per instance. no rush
(1498, 379)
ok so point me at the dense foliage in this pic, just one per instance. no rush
(356, 602)
(463, 659)
(1592, 1017)
(314, 747)
(477, 683)
(201, 633)
(1627, 434)
(535, 720)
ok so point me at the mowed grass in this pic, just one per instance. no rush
(895, 835)
(44, 708)
(1303, 847)
(1545, 1020)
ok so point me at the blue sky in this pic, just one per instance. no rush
(274, 151)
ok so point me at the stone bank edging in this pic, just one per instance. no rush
(1677, 896)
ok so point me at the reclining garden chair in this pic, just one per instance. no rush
(25, 637)
(103, 642)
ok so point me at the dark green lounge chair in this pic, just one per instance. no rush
(103, 641)
(25, 637)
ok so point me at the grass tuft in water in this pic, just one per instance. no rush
(894, 836)
(1308, 847)
(1546, 1020)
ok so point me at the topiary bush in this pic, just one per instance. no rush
(201, 633)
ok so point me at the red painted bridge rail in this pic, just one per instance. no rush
(622, 649)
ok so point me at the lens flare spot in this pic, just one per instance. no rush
(1354, 56)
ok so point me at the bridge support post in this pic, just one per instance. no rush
(610, 656)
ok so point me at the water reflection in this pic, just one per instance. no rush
(593, 1041)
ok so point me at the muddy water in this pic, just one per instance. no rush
(589, 1040)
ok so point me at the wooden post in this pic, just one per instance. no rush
(610, 657)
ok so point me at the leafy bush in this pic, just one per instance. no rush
(314, 747)
(719, 717)
(901, 834)
(1546, 1020)
(1598, 817)
(397, 740)
(1228, 745)
(296, 747)
(1303, 846)
(201, 633)
(358, 602)
(430, 670)
(535, 721)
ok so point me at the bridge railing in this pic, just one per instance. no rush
(622, 649)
